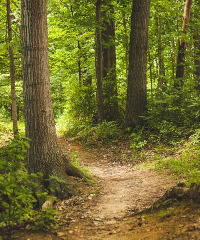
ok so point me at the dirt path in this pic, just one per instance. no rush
(124, 191)
(108, 210)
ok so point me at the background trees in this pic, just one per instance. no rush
(80, 94)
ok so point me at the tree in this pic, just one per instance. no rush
(99, 63)
(182, 45)
(109, 62)
(197, 46)
(136, 89)
(44, 154)
(12, 71)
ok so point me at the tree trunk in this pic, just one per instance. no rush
(182, 46)
(160, 56)
(12, 71)
(136, 90)
(79, 64)
(197, 49)
(197, 61)
(109, 62)
(99, 63)
(44, 154)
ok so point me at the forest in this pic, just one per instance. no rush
(99, 119)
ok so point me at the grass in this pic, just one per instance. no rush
(185, 164)
(183, 161)
(86, 172)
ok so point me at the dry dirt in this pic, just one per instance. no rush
(111, 209)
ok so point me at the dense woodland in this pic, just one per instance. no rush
(89, 63)
(111, 69)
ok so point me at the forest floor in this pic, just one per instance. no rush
(115, 206)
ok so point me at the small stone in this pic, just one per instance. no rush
(61, 234)
(98, 219)
(70, 231)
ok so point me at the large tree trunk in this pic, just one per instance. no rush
(182, 46)
(136, 90)
(99, 63)
(12, 71)
(44, 154)
(109, 62)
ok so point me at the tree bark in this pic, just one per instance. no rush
(44, 154)
(109, 62)
(79, 64)
(197, 49)
(136, 90)
(99, 63)
(160, 55)
(197, 61)
(182, 46)
(12, 71)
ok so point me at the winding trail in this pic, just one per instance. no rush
(110, 209)
(124, 191)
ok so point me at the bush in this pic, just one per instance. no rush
(100, 134)
(18, 189)
(137, 140)
(16, 198)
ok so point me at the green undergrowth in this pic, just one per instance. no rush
(85, 170)
(106, 133)
(19, 190)
(180, 155)
(183, 160)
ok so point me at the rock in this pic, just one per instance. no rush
(178, 192)
(181, 191)
(194, 192)
(61, 234)
(47, 205)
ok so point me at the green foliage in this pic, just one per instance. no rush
(86, 172)
(172, 115)
(165, 213)
(185, 164)
(19, 190)
(105, 133)
(5, 93)
(137, 140)
(82, 103)
(16, 198)
(44, 220)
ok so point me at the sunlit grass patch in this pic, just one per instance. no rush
(6, 131)
(184, 163)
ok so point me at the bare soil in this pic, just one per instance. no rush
(113, 208)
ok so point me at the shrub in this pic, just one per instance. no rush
(103, 133)
(18, 189)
